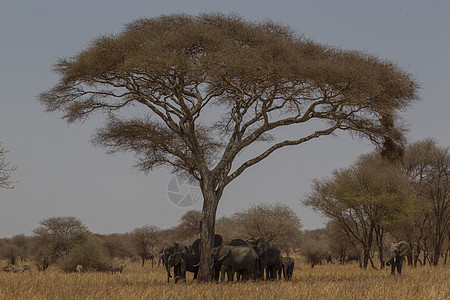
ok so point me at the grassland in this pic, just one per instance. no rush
(322, 282)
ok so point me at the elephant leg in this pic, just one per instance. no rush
(392, 268)
(195, 273)
(399, 267)
(230, 274)
(223, 269)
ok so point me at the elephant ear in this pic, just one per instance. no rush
(263, 246)
(403, 247)
(196, 246)
(223, 252)
(217, 240)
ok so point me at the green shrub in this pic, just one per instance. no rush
(89, 255)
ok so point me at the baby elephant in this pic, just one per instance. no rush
(287, 266)
(116, 268)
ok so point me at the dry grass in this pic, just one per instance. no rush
(322, 282)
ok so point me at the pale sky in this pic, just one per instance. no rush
(61, 174)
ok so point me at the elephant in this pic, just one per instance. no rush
(353, 257)
(397, 254)
(240, 259)
(196, 244)
(269, 254)
(182, 262)
(166, 252)
(287, 267)
(238, 242)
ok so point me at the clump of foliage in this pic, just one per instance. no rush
(89, 255)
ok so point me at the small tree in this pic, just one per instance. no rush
(190, 223)
(22, 242)
(61, 234)
(117, 245)
(89, 255)
(277, 222)
(262, 76)
(144, 240)
(6, 170)
(314, 246)
(10, 252)
(340, 243)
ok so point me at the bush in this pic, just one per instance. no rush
(89, 255)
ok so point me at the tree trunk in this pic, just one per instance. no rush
(445, 257)
(368, 246)
(409, 255)
(207, 231)
(379, 233)
(437, 249)
(366, 255)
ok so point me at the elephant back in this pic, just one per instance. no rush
(238, 242)
(196, 244)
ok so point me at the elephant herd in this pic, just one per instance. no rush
(246, 259)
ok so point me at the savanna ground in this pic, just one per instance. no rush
(322, 282)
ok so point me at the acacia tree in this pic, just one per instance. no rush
(314, 246)
(341, 244)
(145, 239)
(5, 170)
(364, 199)
(191, 92)
(428, 166)
(190, 224)
(61, 234)
(277, 222)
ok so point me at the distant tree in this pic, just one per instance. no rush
(340, 243)
(60, 234)
(314, 246)
(213, 85)
(117, 245)
(227, 228)
(6, 170)
(10, 252)
(88, 254)
(190, 222)
(277, 222)
(22, 242)
(364, 199)
(428, 166)
(144, 240)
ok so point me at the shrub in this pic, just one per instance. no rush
(89, 255)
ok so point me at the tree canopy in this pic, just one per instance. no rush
(61, 234)
(191, 92)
